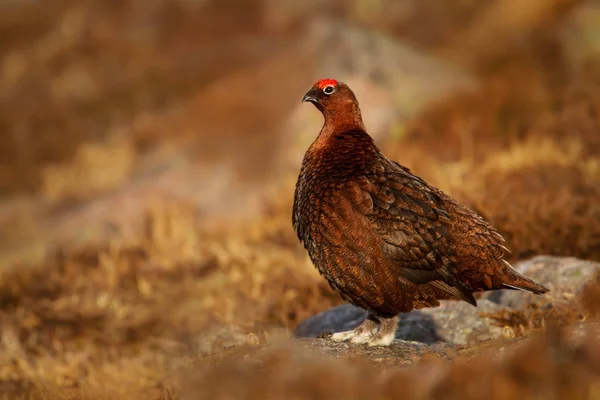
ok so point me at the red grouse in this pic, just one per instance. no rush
(383, 238)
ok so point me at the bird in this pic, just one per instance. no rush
(383, 238)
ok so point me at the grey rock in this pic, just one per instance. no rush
(564, 276)
(337, 319)
(457, 323)
(416, 326)
(392, 79)
(453, 322)
(461, 323)
(411, 76)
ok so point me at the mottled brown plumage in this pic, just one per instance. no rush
(386, 240)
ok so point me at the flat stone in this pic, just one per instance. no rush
(564, 276)
(457, 323)
(453, 322)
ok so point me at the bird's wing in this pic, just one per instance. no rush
(473, 244)
(411, 219)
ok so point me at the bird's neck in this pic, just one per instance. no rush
(339, 120)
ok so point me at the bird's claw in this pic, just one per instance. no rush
(343, 336)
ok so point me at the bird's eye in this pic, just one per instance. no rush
(329, 89)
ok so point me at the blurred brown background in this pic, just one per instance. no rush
(148, 151)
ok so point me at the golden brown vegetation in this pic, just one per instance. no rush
(176, 309)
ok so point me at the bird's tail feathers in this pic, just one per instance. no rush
(516, 281)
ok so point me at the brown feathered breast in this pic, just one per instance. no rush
(386, 240)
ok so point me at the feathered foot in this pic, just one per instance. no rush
(373, 331)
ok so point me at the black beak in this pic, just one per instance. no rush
(309, 97)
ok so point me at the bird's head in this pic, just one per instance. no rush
(330, 95)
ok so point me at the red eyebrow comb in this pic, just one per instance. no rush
(321, 83)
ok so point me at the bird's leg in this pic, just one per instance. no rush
(374, 331)
(367, 328)
(382, 336)
(386, 333)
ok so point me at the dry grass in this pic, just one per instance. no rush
(93, 315)
(544, 367)
(117, 318)
(96, 168)
(534, 173)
